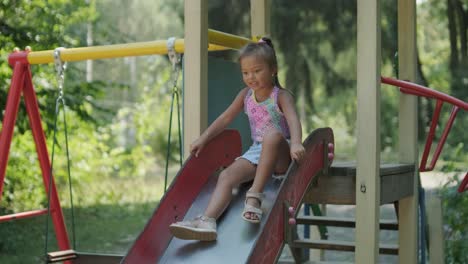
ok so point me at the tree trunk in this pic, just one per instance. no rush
(463, 21)
(452, 25)
(457, 18)
(425, 106)
(307, 87)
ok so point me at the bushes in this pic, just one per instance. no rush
(23, 188)
(455, 218)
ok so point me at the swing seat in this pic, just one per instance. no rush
(63, 255)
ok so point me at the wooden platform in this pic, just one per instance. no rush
(339, 186)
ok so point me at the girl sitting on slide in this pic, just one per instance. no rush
(277, 139)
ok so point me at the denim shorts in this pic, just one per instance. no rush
(253, 153)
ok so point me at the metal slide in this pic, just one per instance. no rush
(238, 241)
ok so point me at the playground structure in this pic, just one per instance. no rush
(367, 183)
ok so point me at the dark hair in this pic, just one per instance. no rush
(263, 49)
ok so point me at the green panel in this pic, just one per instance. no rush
(322, 229)
(224, 83)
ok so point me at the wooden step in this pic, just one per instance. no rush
(342, 222)
(63, 255)
(385, 249)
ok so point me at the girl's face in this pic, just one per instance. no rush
(256, 73)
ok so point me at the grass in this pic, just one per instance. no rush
(108, 215)
(99, 229)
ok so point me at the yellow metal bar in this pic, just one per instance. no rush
(106, 52)
(218, 41)
(214, 47)
(226, 40)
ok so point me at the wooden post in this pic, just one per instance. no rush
(368, 132)
(195, 94)
(408, 130)
(436, 232)
(260, 18)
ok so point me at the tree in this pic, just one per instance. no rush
(457, 14)
(45, 25)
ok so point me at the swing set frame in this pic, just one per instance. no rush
(21, 83)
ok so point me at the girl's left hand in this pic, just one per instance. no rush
(297, 152)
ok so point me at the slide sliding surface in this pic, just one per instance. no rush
(236, 237)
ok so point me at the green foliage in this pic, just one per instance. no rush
(443, 62)
(455, 211)
(43, 25)
(455, 218)
(117, 123)
(435, 53)
(321, 67)
(23, 187)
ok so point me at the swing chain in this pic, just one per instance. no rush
(60, 67)
(175, 59)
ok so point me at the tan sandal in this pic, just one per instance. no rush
(252, 209)
(201, 228)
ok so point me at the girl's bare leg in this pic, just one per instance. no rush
(275, 157)
(238, 172)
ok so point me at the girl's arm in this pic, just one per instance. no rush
(220, 123)
(286, 104)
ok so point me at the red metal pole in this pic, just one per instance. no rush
(430, 136)
(10, 217)
(409, 91)
(11, 111)
(419, 90)
(442, 140)
(38, 133)
(425, 91)
(464, 184)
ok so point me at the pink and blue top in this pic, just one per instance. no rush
(265, 115)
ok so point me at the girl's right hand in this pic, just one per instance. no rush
(197, 146)
(297, 152)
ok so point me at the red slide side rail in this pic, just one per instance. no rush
(150, 245)
(294, 186)
(441, 98)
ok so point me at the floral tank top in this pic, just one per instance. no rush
(265, 115)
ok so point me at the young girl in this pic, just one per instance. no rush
(276, 133)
